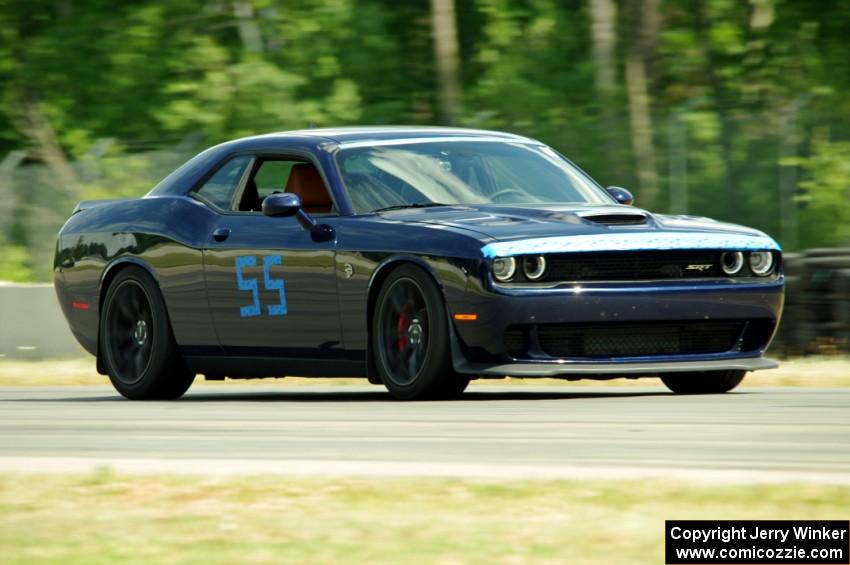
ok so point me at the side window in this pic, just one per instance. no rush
(272, 177)
(220, 187)
(286, 175)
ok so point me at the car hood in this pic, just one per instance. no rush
(514, 230)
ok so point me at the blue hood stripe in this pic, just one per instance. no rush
(640, 241)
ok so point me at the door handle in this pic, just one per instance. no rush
(220, 234)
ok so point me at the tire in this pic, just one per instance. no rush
(710, 382)
(410, 338)
(137, 344)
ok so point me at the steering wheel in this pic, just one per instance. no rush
(506, 191)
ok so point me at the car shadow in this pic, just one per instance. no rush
(360, 396)
(384, 396)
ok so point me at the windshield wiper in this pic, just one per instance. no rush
(414, 205)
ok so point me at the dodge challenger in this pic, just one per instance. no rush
(419, 258)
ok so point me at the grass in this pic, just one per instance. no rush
(831, 371)
(105, 518)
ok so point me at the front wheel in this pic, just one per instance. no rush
(709, 382)
(410, 331)
(138, 347)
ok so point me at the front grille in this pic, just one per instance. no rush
(633, 266)
(637, 339)
(515, 342)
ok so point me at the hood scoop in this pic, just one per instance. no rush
(616, 219)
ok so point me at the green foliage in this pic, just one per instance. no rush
(119, 175)
(14, 263)
(825, 195)
(759, 88)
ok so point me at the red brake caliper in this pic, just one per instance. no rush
(401, 327)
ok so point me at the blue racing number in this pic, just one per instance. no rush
(250, 284)
(274, 284)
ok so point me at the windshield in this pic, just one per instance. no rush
(462, 172)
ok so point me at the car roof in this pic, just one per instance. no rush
(385, 133)
(315, 138)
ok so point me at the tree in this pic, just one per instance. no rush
(603, 31)
(444, 29)
(640, 52)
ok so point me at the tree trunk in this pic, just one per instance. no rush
(603, 24)
(645, 25)
(246, 25)
(718, 93)
(789, 226)
(444, 30)
(640, 122)
(650, 26)
(603, 33)
(31, 121)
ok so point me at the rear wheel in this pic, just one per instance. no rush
(410, 344)
(710, 382)
(138, 347)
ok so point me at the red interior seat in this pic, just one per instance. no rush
(305, 181)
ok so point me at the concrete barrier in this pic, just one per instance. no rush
(817, 303)
(32, 325)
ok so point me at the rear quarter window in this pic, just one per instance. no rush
(221, 186)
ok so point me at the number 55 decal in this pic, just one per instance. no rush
(251, 285)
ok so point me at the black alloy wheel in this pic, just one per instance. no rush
(404, 331)
(410, 338)
(137, 344)
(129, 335)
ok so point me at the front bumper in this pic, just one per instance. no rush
(479, 346)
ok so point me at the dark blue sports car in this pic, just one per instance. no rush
(419, 258)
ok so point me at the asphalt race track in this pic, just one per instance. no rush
(754, 434)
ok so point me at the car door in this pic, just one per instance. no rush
(271, 286)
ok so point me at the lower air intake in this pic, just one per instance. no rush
(641, 339)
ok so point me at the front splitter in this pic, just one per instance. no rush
(620, 369)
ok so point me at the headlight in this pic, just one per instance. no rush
(731, 262)
(534, 266)
(504, 268)
(761, 262)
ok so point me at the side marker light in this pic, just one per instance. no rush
(466, 317)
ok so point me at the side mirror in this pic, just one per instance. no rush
(281, 204)
(621, 195)
(288, 204)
